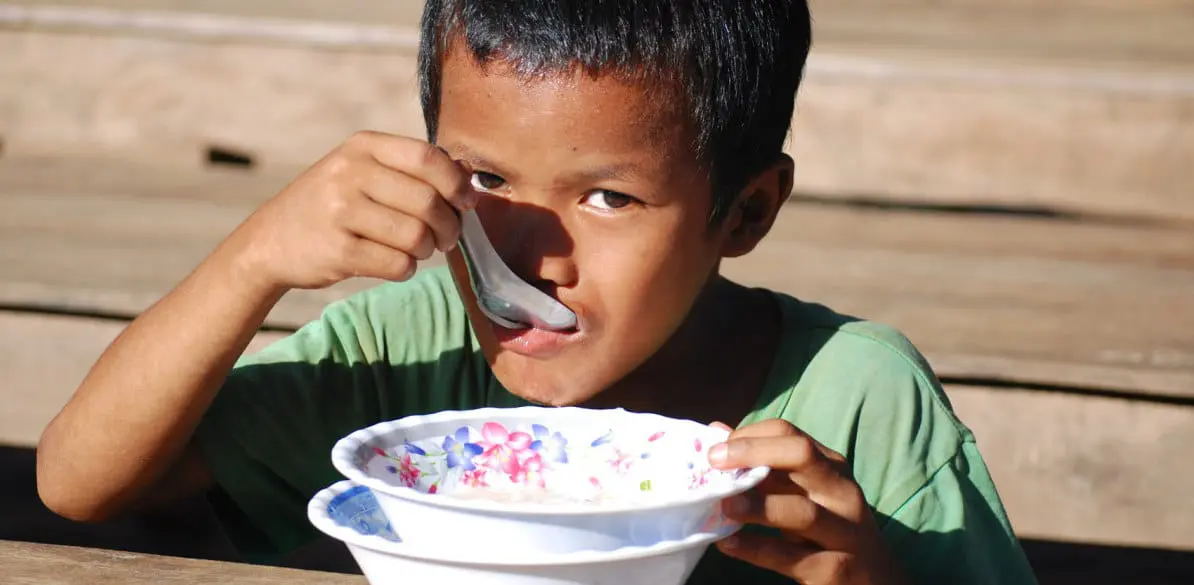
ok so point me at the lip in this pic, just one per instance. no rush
(534, 342)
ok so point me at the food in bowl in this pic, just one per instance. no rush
(553, 480)
(532, 463)
(350, 514)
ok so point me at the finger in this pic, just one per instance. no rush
(798, 455)
(781, 428)
(774, 427)
(363, 257)
(422, 161)
(779, 482)
(801, 562)
(416, 199)
(393, 229)
(795, 514)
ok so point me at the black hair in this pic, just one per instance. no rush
(737, 63)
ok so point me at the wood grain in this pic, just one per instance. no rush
(1033, 301)
(1030, 300)
(1086, 469)
(41, 564)
(1075, 108)
(112, 237)
(44, 358)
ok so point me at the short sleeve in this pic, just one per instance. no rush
(953, 530)
(862, 389)
(388, 352)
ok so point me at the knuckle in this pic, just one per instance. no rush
(361, 138)
(421, 244)
(337, 164)
(337, 206)
(855, 500)
(803, 450)
(781, 427)
(402, 267)
(425, 154)
(424, 198)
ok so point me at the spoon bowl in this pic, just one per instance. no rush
(503, 297)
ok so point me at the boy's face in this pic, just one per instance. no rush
(598, 200)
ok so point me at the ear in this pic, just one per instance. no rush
(753, 212)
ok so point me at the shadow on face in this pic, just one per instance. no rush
(526, 236)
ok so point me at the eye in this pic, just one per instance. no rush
(483, 181)
(608, 200)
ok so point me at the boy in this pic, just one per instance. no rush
(616, 151)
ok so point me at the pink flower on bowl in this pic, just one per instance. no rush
(504, 450)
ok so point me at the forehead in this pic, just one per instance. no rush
(571, 109)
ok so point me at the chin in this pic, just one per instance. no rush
(549, 388)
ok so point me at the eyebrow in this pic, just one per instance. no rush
(618, 171)
(474, 159)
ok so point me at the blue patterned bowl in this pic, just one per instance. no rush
(547, 480)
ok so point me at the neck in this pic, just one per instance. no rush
(714, 366)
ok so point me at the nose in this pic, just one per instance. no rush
(532, 240)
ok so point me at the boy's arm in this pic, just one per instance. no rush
(954, 530)
(374, 206)
(127, 428)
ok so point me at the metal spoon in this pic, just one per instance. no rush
(504, 297)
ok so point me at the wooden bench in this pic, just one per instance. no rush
(41, 564)
(1058, 337)
(1012, 191)
(1077, 104)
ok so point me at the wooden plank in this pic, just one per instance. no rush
(1152, 32)
(968, 105)
(1028, 300)
(44, 358)
(1034, 301)
(113, 236)
(1069, 467)
(41, 564)
(1086, 469)
(394, 14)
(986, 133)
(162, 100)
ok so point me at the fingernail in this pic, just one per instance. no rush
(718, 454)
(730, 542)
(451, 246)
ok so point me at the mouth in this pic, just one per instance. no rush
(534, 342)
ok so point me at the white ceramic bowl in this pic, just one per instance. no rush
(350, 514)
(548, 480)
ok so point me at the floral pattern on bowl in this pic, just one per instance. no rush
(535, 464)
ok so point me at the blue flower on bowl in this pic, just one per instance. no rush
(553, 447)
(460, 452)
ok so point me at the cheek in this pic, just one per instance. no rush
(648, 275)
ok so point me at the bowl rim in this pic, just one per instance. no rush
(318, 516)
(344, 450)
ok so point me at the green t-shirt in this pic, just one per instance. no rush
(401, 349)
